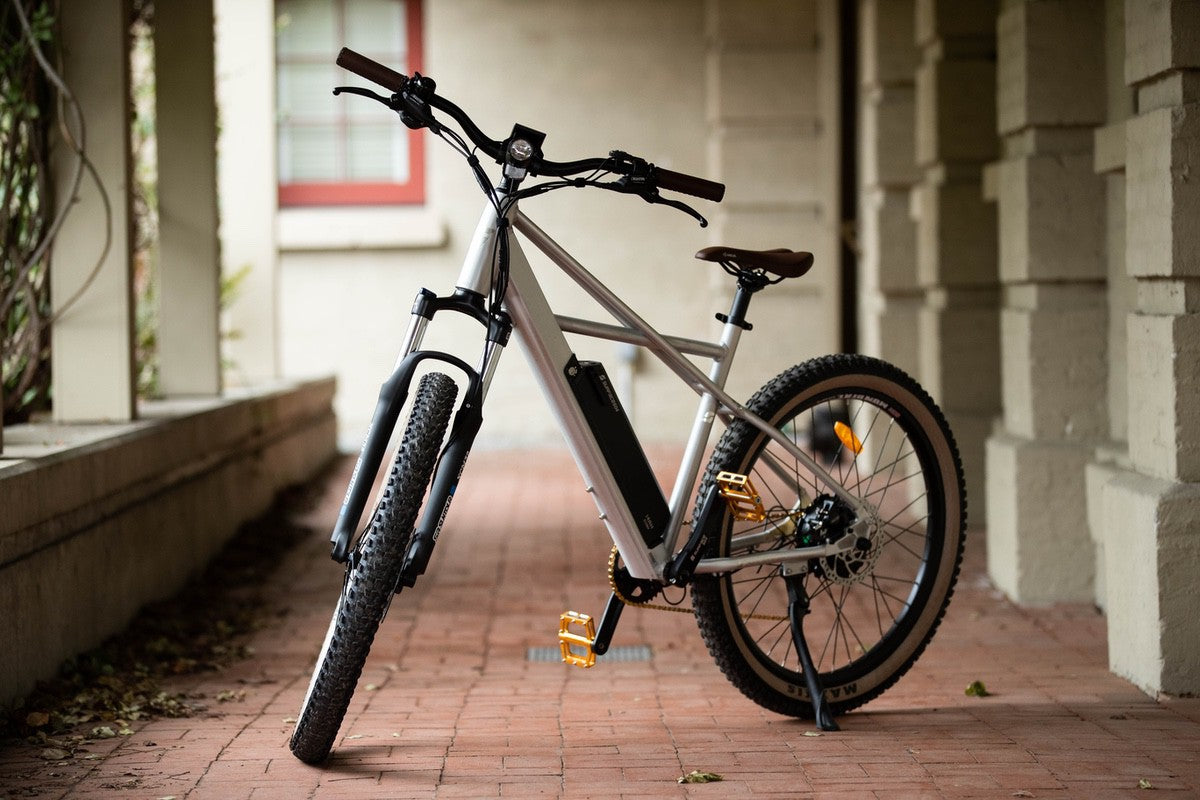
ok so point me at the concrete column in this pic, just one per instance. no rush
(1153, 510)
(189, 262)
(245, 53)
(958, 332)
(1053, 322)
(92, 340)
(1112, 456)
(891, 297)
(773, 116)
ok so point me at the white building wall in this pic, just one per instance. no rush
(640, 77)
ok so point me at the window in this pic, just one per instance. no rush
(344, 150)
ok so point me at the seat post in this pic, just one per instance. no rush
(747, 284)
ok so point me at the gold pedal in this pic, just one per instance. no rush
(742, 497)
(577, 647)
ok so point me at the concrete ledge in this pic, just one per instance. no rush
(101, 519)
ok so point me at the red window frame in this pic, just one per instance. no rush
(375, 193)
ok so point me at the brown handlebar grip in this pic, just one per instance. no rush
(371, 70)
(690, 184)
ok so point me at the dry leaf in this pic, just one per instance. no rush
(53, 754)
(36, 719)
(1023, 793)
(103, 732)
(696, 776)
(976, 689)
(1145, 784)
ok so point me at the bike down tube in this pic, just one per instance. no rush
(548, 353)
(722, 356)
(671, 357)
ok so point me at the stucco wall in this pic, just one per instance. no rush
(642, 77)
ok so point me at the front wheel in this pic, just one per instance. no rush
(371, 578)
(872, 610)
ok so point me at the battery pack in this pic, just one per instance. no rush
(620, 448)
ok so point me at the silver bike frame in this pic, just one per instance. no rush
(541, 332)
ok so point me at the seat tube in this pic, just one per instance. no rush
(689, 466)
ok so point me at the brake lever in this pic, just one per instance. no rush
(363, 92)
(658, 199)
(649, 193)
(413, 110)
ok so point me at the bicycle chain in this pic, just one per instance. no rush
(612, 582)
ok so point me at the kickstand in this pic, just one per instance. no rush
(797, 610)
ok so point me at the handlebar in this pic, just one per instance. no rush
(372, 70)
(416, 95)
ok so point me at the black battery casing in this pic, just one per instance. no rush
(620, 448)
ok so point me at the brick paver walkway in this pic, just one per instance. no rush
(450, 707)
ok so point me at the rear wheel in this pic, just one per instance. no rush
(371, 578)
(873, 610)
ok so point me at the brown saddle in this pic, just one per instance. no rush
(780, 261)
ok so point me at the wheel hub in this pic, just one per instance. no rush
(826, 521)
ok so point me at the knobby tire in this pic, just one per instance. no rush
(873, 611)
(371, 579)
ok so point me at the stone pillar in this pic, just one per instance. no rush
(773, 111)
(1112, 456)
(958, 336)
(245, 53)
(891, 297)
(189, 259)
(1051, 95)
(1153, 510)
(92, 339)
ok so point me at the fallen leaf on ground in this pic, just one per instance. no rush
(1022, 793)
(53, 754)
(976, 689)
(1145, 784)
(696, 776)
(811, 733)
(36, 719)
(103, 732)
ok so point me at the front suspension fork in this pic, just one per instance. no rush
(392, 396)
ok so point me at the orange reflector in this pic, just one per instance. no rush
(847, 436)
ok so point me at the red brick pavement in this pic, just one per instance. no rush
(449, 706)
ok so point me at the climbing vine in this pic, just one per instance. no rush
(26, 207)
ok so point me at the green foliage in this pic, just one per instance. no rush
(145, 202)
(26, 206)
